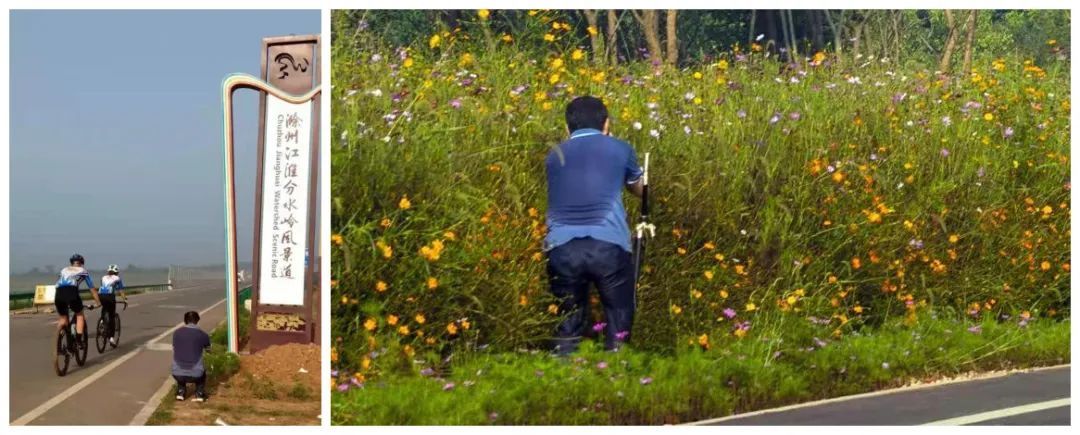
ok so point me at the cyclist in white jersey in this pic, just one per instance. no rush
(111, 284)
(67, 294)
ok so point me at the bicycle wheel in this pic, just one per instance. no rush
(80, 352)
(116, 331)
(101, 338)
(61, 356)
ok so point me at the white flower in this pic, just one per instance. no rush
(689, 96)
(654, 133)
(651, 105)
(637, 125)
(376, 93)
(686, 129)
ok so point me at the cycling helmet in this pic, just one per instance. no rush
(78, 258)
(113, 269)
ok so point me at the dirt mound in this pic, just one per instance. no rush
(284, 365)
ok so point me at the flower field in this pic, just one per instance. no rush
(798, 206)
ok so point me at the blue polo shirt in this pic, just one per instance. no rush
(586, 176)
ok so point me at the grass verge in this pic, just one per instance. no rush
(635, 387)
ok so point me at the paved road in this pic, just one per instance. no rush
(123, 378)
(1030, 398)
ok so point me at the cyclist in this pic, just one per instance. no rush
(110, 285)
(67, 295)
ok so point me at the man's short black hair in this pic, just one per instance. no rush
(586, 112)
(191, 318)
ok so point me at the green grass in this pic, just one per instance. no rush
(526, 388)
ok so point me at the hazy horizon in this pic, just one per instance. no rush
(116, 131)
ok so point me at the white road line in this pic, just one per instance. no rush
(151, 405)
(1000, 413)
(64, 395)
(866, 395)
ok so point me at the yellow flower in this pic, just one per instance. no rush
(385, 223)
(988, 116)
(392, 319)
(697, 75)
(370, 324)
(403, 330)
(553, 309)
(449, 235)
(452, 328)
(740, 332)
(1045, 265)
(556, 63)
(710, 246)
(791, 300)
(874, 217)
(953, 238)
(408, 351)
(404, 204)
(703, 340)
(857, 309)
(381, 286)
(507, 38)
(723, 294)
(719, 257)
(722, 64)
(750, 306)
(681, 250)
(549, 37)
(676, 309)
(708, 274)
(466, 60)
(387, 250)
(420, 319)
(408, 63)
(483, 14)
(434, 41)
(523, 300)
(856, 263)
(592, 30)
(337, 239)
(432, 283)
(696, 294)
(365, 363)
(577, 54)
(554, 78)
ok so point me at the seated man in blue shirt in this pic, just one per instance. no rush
(588, 240)
(189, 342)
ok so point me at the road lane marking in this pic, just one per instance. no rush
(151, 405)
(66, 394)
(1000, 413)
(868, 395)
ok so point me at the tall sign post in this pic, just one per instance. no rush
(284, 308)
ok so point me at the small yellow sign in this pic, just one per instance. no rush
(44, 294)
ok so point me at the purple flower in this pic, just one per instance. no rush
(1008, 132)
(944, 152)
(333, 373)
(448, 386)
(977, 329)
(741, 113)
(775, 118)
(795, 116)
(1023, 323)
(621, 335)
(343, 388)
(830, 169)
(729, 313)
(947, 121)
(493, 416)
(599, 327)
(601, 365)
(819, 343)
(899, 97)
(981, 172)
(356, 382)
(917, 244)
(646, 380)
(455, 103)
(427, 371)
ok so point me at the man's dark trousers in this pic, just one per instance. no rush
(572, 267)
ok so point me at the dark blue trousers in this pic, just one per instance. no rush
(572, 267)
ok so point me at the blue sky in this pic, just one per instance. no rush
(116, 132)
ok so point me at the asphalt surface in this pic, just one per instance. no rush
(981, 402)
(113, 387)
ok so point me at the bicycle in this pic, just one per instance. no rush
(103, 338)
(66, 347)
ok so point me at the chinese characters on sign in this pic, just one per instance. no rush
(285, 202)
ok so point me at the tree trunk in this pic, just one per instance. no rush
(650, 26)
(612, 33)
(595, 40)
(672, 38)
(837, 27)
(753, 21)
(793, 41)
(817, 37)
(898, 37)
(950, 43)
(970, 41)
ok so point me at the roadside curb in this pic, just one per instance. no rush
(981, 376)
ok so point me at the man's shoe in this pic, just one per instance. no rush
(180, 393)
(112, 341)
(198, 399)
